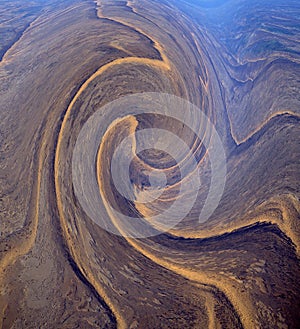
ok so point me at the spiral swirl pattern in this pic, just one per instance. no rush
(136, 181)
(159, 143)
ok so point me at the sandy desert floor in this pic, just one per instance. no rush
(63, 63)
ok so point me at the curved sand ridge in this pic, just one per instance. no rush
(233, 290)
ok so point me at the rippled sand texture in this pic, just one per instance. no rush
(237, 61)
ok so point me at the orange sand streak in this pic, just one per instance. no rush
(91, 279)
(244, 308)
